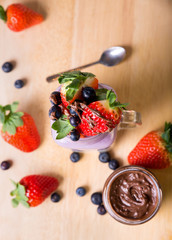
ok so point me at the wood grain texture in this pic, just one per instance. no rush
(75, 32)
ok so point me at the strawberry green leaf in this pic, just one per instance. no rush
(101, 94)
(10, 128)
(14, 106)
(75, 84)
(167, 136)
(2, 114)
(15, 203)
(10, 119)
(17, 122)
(20, 195)
(70, 76)
(70, 93)
(63, 127)
(25, 204)
(18, 114)
(3, 15)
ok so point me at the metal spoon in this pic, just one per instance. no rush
(111, 57)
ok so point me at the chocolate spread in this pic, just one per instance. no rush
(133, 195)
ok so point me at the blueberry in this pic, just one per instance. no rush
(74, 135)
(80, 191)
(19, 84)
(55, 112)
(101, 210)
(72, 112)
(96, 198)
(55, 98)
(75, 157)
(89, 94)
(104, 157)
(7, 67)
(55, 197)
(5, 165)
(74, 121)
(113, 164)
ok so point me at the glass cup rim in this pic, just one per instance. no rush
(106, 191)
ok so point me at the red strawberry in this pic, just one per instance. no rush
(33, 190)
(101, 116)
(19, 17)
(154, 150)
(72, 84)
(19, 128)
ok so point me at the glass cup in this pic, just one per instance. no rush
(122, 199)
(103, 141)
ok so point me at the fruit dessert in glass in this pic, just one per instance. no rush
(85, 114)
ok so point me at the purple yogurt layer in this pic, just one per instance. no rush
(99, 142)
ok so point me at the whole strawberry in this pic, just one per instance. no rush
(32, 190)
(19, 17)
(18, 128)
(154, 150)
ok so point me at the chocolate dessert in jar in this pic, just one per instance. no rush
(132, 195)
(100, 116)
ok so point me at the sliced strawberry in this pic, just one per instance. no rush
(72, 84)
(98, 117)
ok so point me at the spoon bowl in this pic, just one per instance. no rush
(112, 56)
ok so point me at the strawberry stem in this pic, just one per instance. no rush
(3, 14)
(167, 136)
(10, 119)
(20, 195)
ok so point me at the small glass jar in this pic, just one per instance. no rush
(102, 141)
(108, 194)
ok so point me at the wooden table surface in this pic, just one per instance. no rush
(75, 32)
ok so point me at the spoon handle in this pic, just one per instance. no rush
(55, 76)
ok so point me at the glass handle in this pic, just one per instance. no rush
(130, 119)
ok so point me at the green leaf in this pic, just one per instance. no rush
(63, 128)
(166, 135)
(2, 117)
(25, 204)
(15, 202)
(14, 106)
(17, 121)
(75, 84)
(70, 93)
(9, 127)
(70, 76)
(3, 15)
(101, 94)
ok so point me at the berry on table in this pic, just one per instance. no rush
(89, 94)
(74, 135)
(5, 165)
(104, 157)
(113, 164)
(55, 98)
(55, 112)
(74, 121)
(96, 198)
(19, 83)
(101, 209)
(75, 157)
(80, 191)
(55, 197)
(7, 67)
